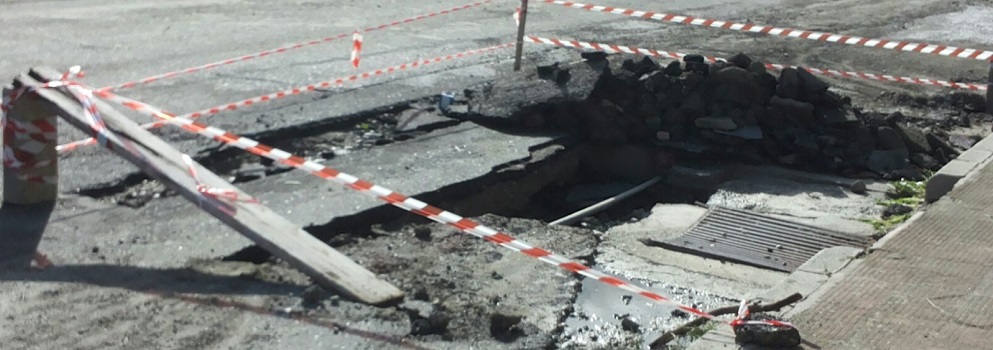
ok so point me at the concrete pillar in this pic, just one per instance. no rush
(30, 176)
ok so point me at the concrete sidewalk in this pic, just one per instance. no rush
(929, 287)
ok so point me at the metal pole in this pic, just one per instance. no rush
(989, 90)
(520, 36)
(606, 203)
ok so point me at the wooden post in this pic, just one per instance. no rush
(30, 137)
(287, 241)
(520, 35)
(989, 90)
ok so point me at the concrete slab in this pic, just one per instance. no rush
(621, 250)
(828, 206)
(830, 261)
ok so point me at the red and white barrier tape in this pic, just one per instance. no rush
(216, 193)
(403, 202)
(612, 48)
(23, 142)
(356, 49)
(298, 90)
(286, 48)
(941, 50)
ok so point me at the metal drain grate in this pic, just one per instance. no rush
(750, 238)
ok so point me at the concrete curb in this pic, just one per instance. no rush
(952, 173)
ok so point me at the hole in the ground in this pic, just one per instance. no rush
(323, 140)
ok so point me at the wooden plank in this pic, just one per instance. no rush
(285, 240)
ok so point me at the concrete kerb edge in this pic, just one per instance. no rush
(896, 231)
(959, 169)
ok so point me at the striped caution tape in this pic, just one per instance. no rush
(356, 49)
(941, 50)
(612, 48)
(298, 90)
(406, 203)
(287, 48)
(24, 141)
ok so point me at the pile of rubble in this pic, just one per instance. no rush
(739, 110)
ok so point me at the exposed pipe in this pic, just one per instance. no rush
(606, 203)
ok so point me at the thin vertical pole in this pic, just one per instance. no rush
(989, 90)
(520, 36)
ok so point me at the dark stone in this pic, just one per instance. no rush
(758, 68)
(649, 65)
(737, 85)
(797, 112)
(423, 233)
(561, 76)
(908, 173)
(747, 133)
(885, 162)
(858, 187)
(970, 102)
(895, 118)
(646, 65)
(629, 65)
(715, 123)
(701, 68)
(546, 71)
(654, 124)
(421, 294)
(314, 294)
(594, 56)
(789, 84)
(889, 139)
(630, 325)
(693, 106)
(740, 60)
(836, 115)
(913, 137)
(896, 209)
(813, 87)
(924, 160)
(693, 83)
(436, 323)
(936, 143)
(505, 327)
(673, 69)
(693, 58)
(767, 336)
(806, 145)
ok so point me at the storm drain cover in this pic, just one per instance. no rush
(746, 237)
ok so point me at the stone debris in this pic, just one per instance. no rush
(738, 110)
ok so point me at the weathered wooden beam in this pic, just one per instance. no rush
(285, 240)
